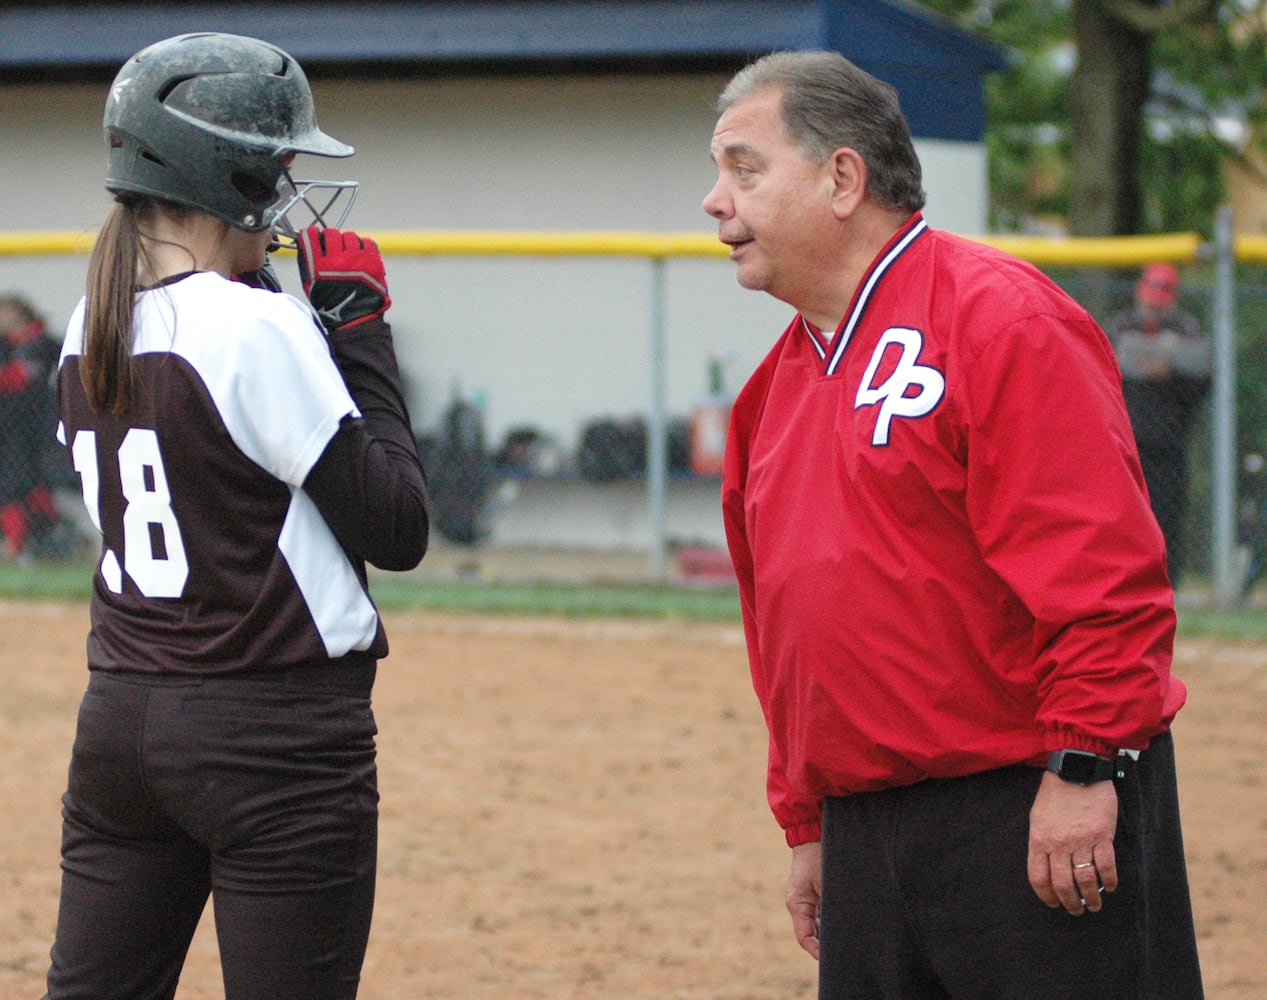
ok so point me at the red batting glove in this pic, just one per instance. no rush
(343, 277)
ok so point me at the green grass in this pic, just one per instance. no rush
(1224, 623)
(570, 600)
(72, 581)
(46, 581)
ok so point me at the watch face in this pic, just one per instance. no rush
(1078, 767)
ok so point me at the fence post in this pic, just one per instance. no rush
(657, 451)
(1223, 411)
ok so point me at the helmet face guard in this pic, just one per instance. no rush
(211, 120)
(301, 204)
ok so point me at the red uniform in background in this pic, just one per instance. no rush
(28, 419)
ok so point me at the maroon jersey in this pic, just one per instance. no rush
(214, 559)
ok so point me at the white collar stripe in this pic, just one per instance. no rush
(814, 340)
(873, 279)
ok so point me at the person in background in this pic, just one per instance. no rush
(1166, 362)
(958, 620)
(28, 420)
(244, 454)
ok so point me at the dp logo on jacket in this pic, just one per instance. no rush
(910, 390)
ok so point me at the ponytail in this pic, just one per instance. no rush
(107, 368)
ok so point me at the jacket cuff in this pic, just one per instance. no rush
(804, 833)
(1067, 739)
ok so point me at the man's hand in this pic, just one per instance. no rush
(1071, 857)
(804, 891)
(343, 277)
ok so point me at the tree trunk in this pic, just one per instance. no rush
(1109, 89)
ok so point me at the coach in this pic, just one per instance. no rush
(954, 592)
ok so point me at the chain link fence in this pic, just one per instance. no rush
(1175, 435)
(513, 485)
(39, 507)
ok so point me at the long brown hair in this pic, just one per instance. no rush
(107, 369)
(120, 258)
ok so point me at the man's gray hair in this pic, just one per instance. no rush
(829, 103)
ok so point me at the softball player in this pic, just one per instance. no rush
(243, 460)
(954, 593)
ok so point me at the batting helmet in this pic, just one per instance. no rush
(209, 120)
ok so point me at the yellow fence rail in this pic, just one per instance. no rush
(1108, 251)
(1112, 251)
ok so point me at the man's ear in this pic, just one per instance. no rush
(849, 177)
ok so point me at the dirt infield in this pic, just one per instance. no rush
(575, 810)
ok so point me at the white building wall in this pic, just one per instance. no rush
(550, 342)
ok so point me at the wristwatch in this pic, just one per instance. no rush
(1081, 766)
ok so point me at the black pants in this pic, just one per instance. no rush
(1165, 468)
(260, 792)
(925, 895)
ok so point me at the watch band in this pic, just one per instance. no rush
(1082, 767)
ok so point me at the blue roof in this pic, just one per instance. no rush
(937, 68)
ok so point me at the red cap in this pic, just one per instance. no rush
(1158, 285)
